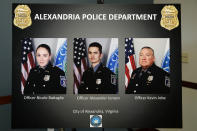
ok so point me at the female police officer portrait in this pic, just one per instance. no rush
(45, 78)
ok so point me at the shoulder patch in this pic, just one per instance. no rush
(113, 79)
(63, 81)
(167, 81)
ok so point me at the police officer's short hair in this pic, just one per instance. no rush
(147, 47)
(96, 44)
(44, 46)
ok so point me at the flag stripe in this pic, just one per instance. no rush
(31, 59)
(75, 89)
(26, 67)
(22, 88)
(84, 65)
(132, 62)
(23, 80)
(129, 66)
(24, 72)
(76, 81)
(127, 73)
(77, 74)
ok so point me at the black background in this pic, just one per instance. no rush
(133, 113)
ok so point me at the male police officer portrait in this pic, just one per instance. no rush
(148, 78)
(97, 79)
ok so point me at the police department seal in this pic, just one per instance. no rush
(95, 120)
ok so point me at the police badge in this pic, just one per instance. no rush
(150, 79)
(46, 77)
(98, 81)
(169, 19)
(22, 17)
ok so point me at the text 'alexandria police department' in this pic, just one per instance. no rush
(94, 17)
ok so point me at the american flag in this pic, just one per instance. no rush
(80, 61)
(28, 60)
(129, 59)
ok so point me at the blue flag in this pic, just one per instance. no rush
(166, 62)
(61, 56)
(113, 62)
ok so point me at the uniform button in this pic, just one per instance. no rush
(136, 84)
(86, 88)
(43, 85)
(134, 91)
(34, 85)
(97, 88)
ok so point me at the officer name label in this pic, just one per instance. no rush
(98, 98)
(150, 98)
(43, 98)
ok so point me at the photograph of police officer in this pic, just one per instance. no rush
(97, 79)
(148, 78)
(45, 78)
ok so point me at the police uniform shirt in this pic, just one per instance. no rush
(150, 81)
(48, 80)
(100, 81)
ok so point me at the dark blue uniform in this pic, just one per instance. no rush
(154, 80)
(50, 80)
(103, 81)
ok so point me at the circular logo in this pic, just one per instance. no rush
(96, 121)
